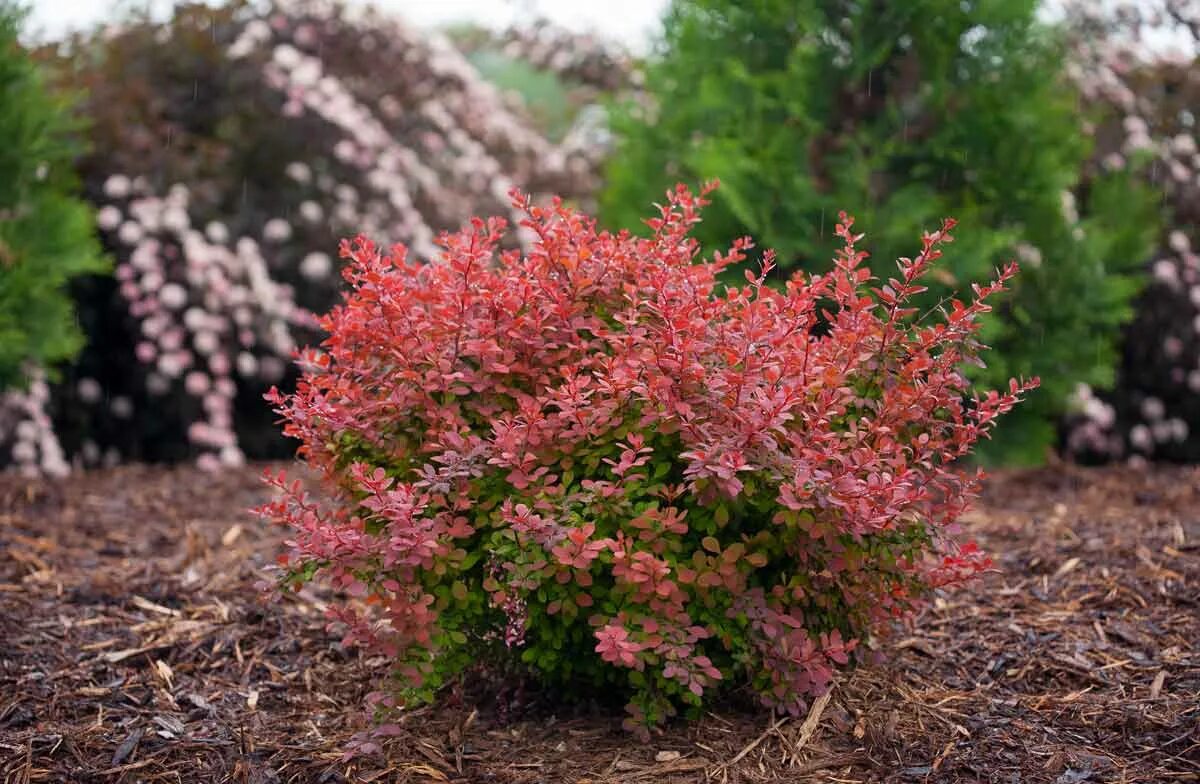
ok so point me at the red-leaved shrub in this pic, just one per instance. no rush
(596, 459)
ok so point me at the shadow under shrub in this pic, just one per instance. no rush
(597, 462)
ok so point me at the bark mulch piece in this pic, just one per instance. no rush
(134, 647)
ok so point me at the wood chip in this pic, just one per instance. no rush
(120, 656)
(98, 646)
(917, 644)
(1067, 567)
(198, 701)
(1157, 686)
(426, 771)
(127, 746)
(811, 722)
(145, 604)
(164, 671)
(172, 726)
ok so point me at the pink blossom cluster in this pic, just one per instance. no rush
(205, 304)
(435, 141)
(454, 121)
(348, 121)
(27, 432)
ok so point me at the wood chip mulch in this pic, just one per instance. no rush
(134, 647)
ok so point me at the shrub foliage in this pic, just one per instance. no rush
(596, 459)
(908, 111)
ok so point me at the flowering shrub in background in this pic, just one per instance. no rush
(908, 111)
(46, 240)
(1140, 63)
(560, 77)
(232, 146)
(595, 459)
(579, 59)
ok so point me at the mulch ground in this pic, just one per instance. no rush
(134, 647)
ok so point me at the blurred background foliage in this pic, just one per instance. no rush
(1062, 135)
(1137, 65)
(231, 148)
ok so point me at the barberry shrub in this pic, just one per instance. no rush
(597, 460)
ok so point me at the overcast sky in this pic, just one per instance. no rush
(630, 21)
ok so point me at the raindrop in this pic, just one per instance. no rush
(870, 77)
(822, 223)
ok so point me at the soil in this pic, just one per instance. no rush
(136, 647)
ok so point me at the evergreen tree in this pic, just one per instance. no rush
(47, 235)
(901, 112)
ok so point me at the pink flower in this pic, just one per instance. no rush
(196, 383)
